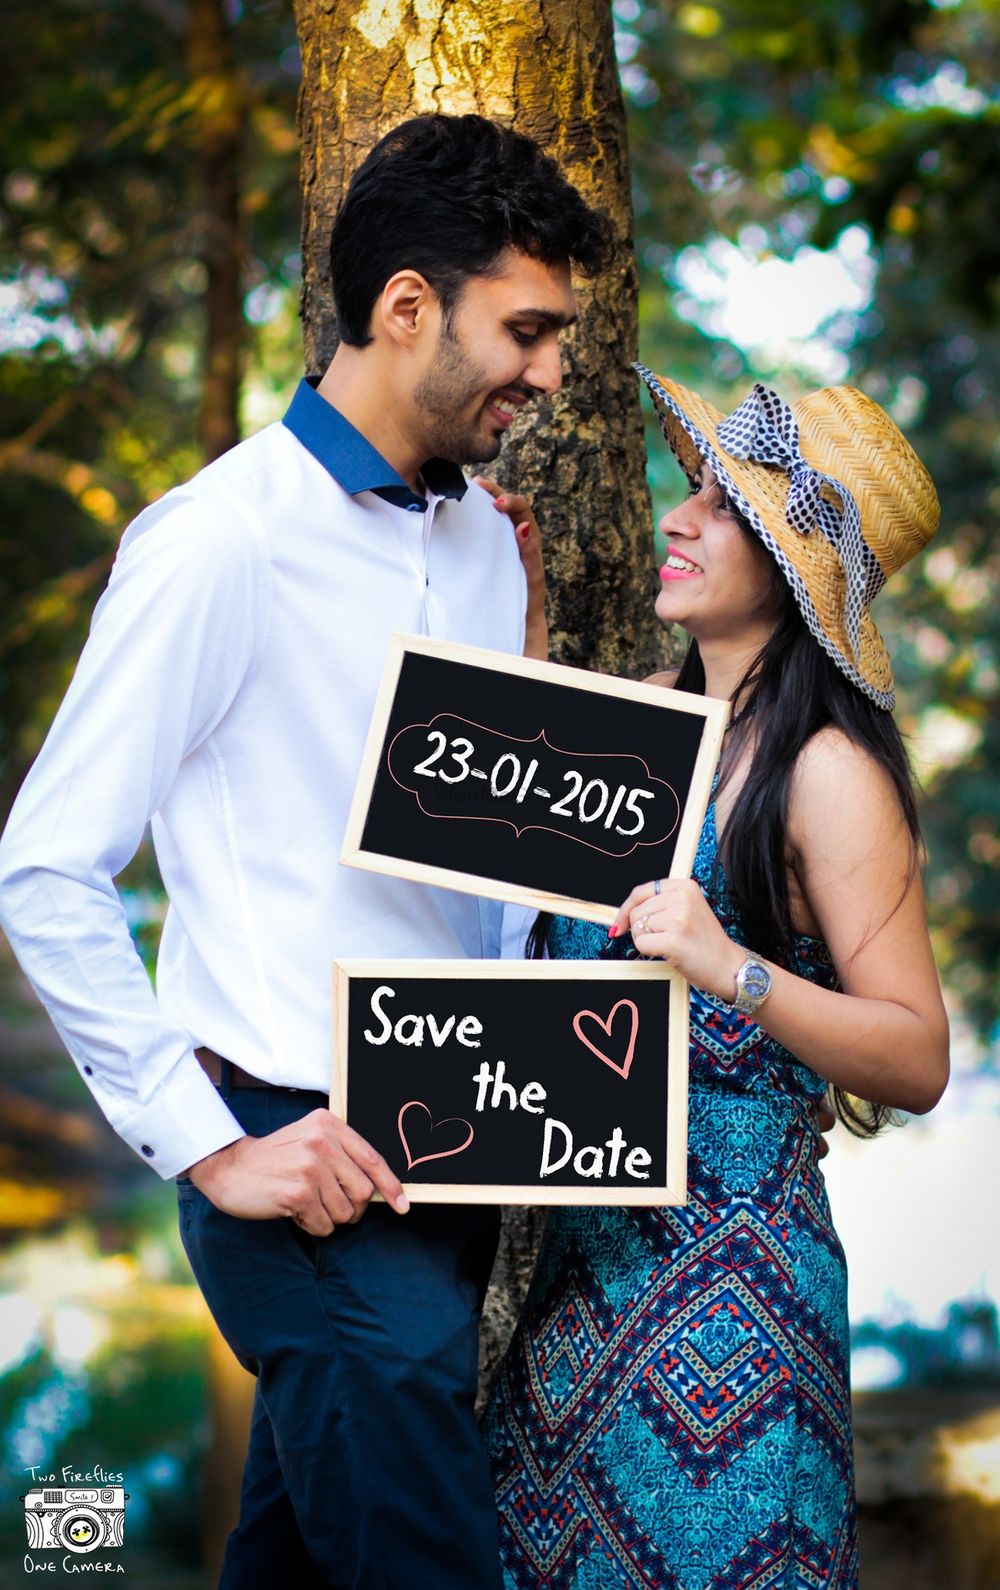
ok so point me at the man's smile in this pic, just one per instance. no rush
(503, 407)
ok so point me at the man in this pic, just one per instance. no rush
(225, 693)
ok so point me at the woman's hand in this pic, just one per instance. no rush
(677, 925)
(529, 544)
(882, 1033)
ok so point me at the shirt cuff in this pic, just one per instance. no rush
(184, 1122)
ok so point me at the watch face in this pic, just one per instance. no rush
(756, 980)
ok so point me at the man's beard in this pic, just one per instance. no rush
(443, 397)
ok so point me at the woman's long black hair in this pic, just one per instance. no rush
(790, 691)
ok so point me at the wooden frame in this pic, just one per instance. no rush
(715, 713)
(674, 1191)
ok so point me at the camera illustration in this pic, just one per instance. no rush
(76, 1517)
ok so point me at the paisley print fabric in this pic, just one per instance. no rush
(673, 1410)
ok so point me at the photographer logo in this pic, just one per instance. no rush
(76, 1520)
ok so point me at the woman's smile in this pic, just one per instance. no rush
(678, 567)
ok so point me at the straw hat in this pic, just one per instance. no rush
(833, 489)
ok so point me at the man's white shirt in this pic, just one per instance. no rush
(225, 693)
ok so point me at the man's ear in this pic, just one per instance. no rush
(407, 307)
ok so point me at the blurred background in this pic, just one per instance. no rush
(817, 194)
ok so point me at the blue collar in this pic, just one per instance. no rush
(352, 460)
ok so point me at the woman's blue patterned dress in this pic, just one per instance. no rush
(674, 1409)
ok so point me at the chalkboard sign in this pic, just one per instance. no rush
(530, 782)
(517, 1082)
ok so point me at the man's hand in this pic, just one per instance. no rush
(825, 1120)
(529, 544)
(317, 1171)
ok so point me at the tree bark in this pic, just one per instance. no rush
(546, 67)
(219, 110)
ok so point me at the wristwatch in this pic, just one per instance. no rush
(753, 984)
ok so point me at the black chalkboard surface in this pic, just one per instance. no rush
(528, 781)
(517, 1082)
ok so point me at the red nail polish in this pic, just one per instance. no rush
(613, 931)
(524, 531)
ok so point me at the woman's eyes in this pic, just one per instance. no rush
(713, 494)
(715, 498)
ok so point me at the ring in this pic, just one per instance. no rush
(656, 885)
(643, 923)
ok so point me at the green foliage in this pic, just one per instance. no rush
(778, 128)
(138, 1407)
(103, 221)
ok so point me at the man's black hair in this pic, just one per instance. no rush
(445, 195)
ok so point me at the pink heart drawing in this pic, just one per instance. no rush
(621, 1066)
(434, 1126)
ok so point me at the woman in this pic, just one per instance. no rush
(674, 1408)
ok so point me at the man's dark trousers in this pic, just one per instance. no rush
(366, 1470)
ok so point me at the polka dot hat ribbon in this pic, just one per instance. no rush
(763, 430)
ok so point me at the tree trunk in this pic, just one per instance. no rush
(220, 105)
(546, 67)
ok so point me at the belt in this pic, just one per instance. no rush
(212, 1064)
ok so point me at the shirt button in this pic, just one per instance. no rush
(88, 1071)
(147, 1150)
